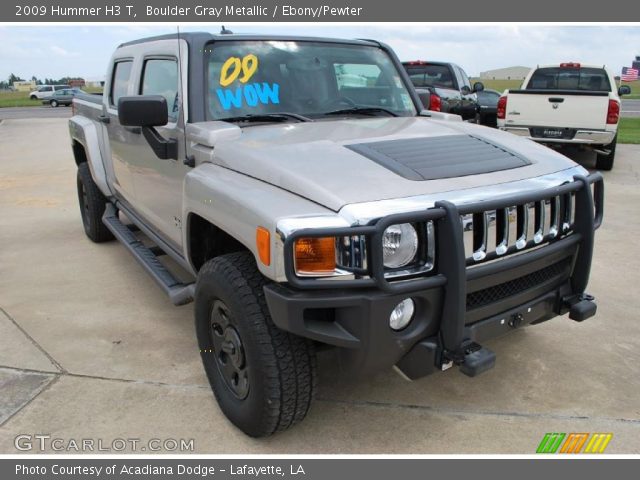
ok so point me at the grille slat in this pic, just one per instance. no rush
(495, 233)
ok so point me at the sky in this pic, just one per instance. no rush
(83, 51)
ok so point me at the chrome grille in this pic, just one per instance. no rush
(495, 233)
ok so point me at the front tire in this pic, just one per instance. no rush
(605, 162)
(263, 378)
(92, 206)
(53, 103)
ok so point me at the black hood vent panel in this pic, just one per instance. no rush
(433, 158)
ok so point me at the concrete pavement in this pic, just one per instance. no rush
(14, 113)
(91, 348)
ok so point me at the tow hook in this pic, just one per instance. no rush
(473, 359)
(580, 306)
(516, 320)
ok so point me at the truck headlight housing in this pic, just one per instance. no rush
(399, 245)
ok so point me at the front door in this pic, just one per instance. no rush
(158, 183)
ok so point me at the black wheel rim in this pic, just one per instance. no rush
(228, 350)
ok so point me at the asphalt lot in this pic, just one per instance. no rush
(13, 113)
(91, 348)
(630, 108)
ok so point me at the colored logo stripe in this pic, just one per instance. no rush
(598, 443)
(574, 443)
(550, 442)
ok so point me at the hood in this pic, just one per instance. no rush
(340, 162)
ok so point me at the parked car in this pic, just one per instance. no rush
(444, 87)
(62, 97)
(44, 91)
(307, 211)
(488, 107)
(569, 104)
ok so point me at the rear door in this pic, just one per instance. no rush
(121, 139)
(569, 97)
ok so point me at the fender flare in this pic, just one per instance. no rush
(83, 131)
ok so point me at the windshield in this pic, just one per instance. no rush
(558, 78)
(304, 78)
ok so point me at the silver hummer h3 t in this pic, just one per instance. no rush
(296, 191)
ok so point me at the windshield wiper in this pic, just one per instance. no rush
(267, 117)
(363, 111)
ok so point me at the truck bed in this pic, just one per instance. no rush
(88, 105)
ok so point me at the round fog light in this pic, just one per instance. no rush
(402, 314)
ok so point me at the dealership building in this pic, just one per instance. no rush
(24, 86)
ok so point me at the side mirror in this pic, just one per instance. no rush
(478, 87)
(425, 97)
(149, 111)
(624, 90)
(143, 111)
(465, 90)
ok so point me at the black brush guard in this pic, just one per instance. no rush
(452, 274)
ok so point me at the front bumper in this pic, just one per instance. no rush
(581, 137)
(458, 306)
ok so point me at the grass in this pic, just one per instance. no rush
(17, 99)
(629, 130)
(635, 90)
(21, 99)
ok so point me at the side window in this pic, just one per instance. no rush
(45, 89)
(464, 77)
(120, 81)
(160, 77)
(463, 80)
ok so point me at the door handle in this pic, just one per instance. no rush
(104, 119)
(556, 100)
(135, 130)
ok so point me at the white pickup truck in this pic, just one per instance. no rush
(566, 104)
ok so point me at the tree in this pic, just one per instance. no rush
(14, 78)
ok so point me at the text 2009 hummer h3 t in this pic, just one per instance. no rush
(305, 200)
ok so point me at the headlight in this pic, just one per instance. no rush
(399, 245)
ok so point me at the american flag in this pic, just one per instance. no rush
(629, 74)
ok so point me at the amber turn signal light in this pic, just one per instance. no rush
(263, 242)
(315, 255)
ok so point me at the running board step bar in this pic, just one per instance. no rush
(179, 293)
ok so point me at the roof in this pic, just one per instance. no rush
(200, 38)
